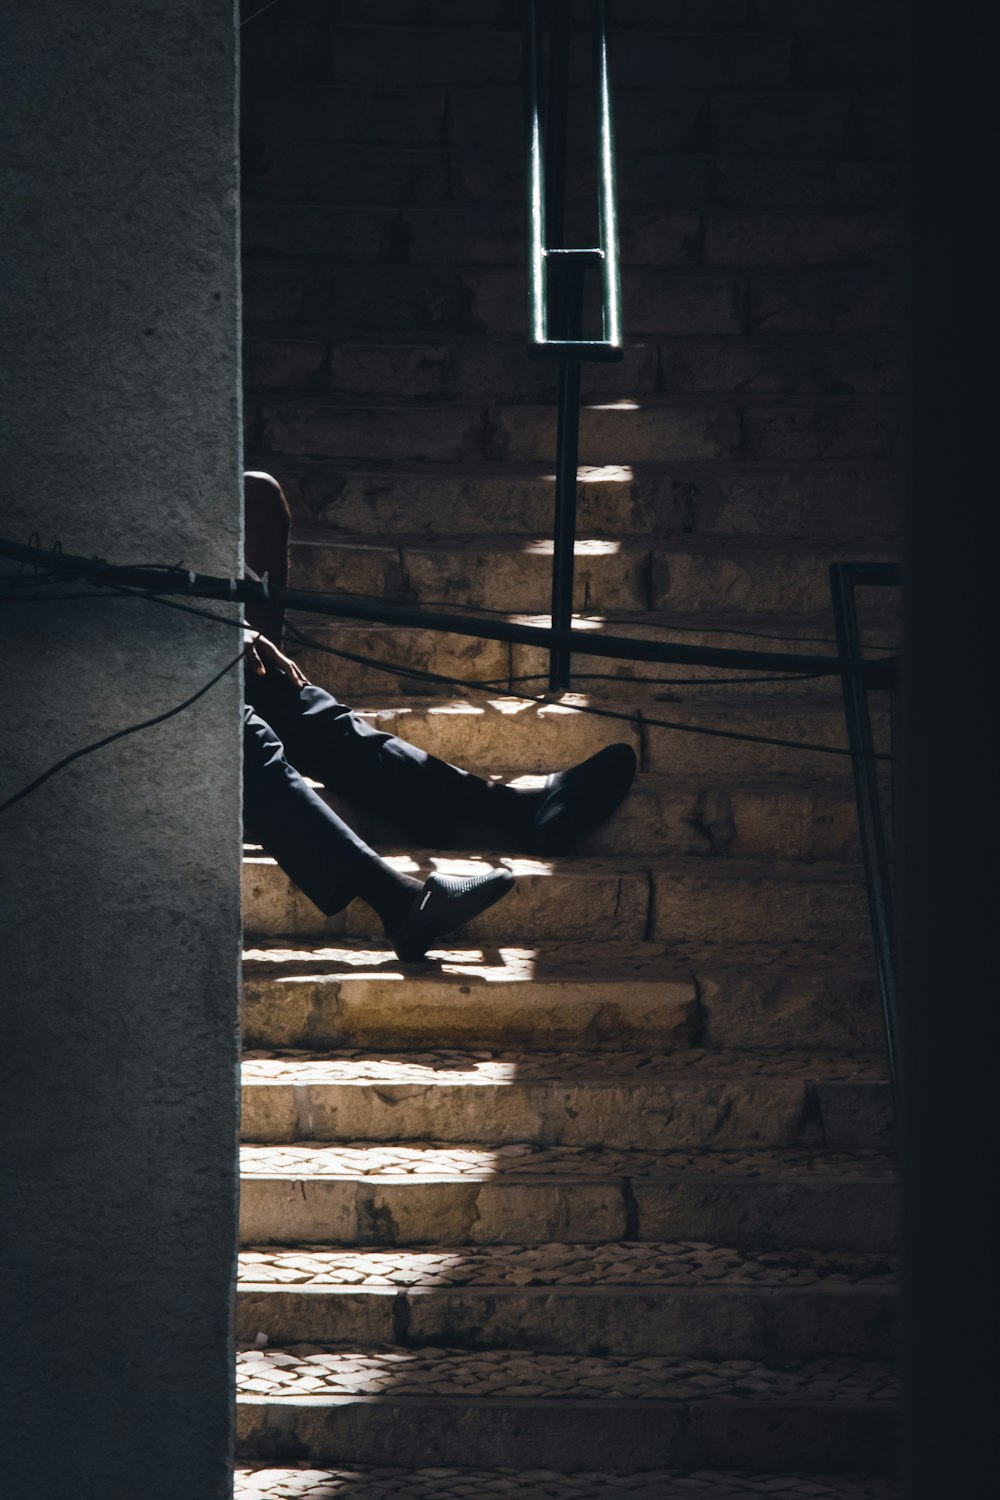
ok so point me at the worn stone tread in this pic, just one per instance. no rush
(688, 1099)
(428, 1161)
(264, 1482)
(317, 1371)
(658, 963)
(464, 663)
(600, 1267)
(600, 997)
(302, 1069)
(620, 897)
(502, 734)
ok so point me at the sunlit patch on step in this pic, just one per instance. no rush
(599, 474)
(582, 547)
(623, 404)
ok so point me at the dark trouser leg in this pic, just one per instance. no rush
(315, 848)
(330, 743)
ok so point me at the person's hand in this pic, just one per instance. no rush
(260, 653)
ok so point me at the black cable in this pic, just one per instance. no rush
(269, 6)
(119, 734)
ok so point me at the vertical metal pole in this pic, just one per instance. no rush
(565, 286)
(866, 792)
(567, 452)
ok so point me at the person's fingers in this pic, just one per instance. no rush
(253, 659)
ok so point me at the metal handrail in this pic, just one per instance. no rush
(546, 189)
(844, 577)
(555, 311)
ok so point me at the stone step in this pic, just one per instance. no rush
(607, 997)
(505, 573)
(427, 1194)
(818, 501)
(811, 821)
(693, 1100)
(485, 233)
(442, 1406)
(622, 1299)
(357, 661)
(582, 899)
(661, 302)
(512, 735)
(264, 1481)
(611, 432)
(291, 360)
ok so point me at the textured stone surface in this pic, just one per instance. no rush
(578, 897)
(510, 573)
(436, 1403)
(622, 1299)
(843, 501)
(425, 1194)
(612, 998)
(551, 1265)
(120, 920)
(307, 1370)
(267, 1483)
(692, 1099)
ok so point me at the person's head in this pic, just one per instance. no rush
(266, 519)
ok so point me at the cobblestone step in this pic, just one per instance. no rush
(693, 1100)
(440, 1406)
(411, 1195)
(622, 1299)
(816, 500)
(511, 573)
(392, 661)
(599, 997)
(586, 899)
(303, 1482)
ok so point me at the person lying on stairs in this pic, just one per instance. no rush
(293, 729)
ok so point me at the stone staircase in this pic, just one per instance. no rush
(601, 1200)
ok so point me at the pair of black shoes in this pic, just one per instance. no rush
(569, 805)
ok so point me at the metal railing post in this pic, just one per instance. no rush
(555, 272)
(567, 456)
(871, 828)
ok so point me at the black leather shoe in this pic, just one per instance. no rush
(444, 903)
(577, 800)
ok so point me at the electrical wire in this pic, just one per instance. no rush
(269, 6)
(119, 734)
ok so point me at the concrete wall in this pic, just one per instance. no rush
(120, 878)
